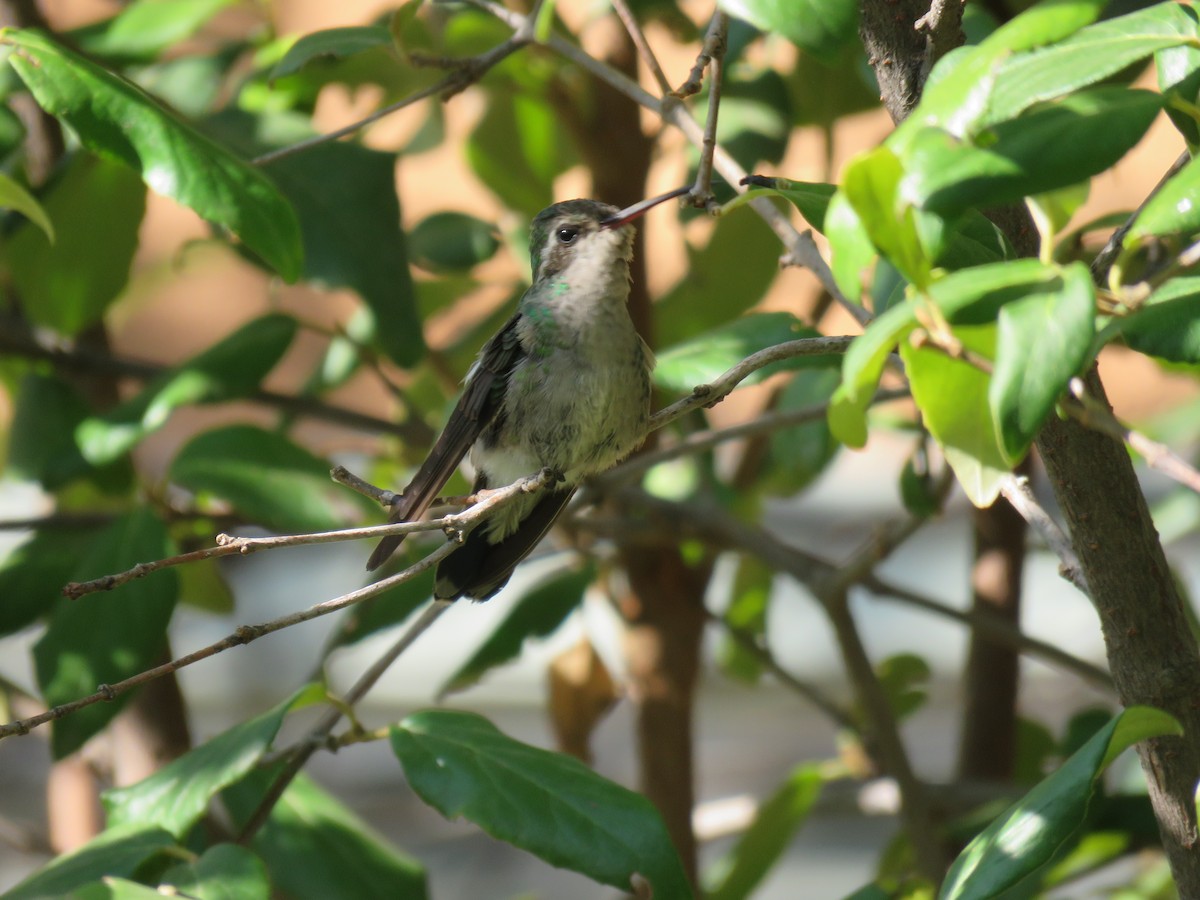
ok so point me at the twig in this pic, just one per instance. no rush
(639, 41)
(942, 27)
(229, 546)
(1112, 247)
(1017, 492)
(716, 32)
(467, 73)
(715, 391)
(1089, 413)
(996, 628)
(299, 755)
(702, 189)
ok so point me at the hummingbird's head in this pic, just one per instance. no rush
(585, 232)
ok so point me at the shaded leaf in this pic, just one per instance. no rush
(176, 796)
(747, 613)
(68, 284)
(452, 242)
(551, 805)
(332, 43)
(223, 872)
(116, 119)
(32, 576)
(231, 368)
(115, 851)
(1168, 325)
(265, 477)
(1173, 210)
(314, 846)
(707, 356)
(1025, 838)
(800, 453)
(820, 27)
(109, 636)
(537, 614)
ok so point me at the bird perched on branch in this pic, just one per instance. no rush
(564, 385)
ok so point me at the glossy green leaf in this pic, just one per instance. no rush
(33, 574)
(1043, 342)
(223, 872)
(452, 242)
(708, 355)
(68, 284)
(903, 678)
(116, 119)
(314, 846)
(871, 183)
(1178, 71)
(820, 27)
(549, 804)
(1088, 56)
(810, 197)
(115, 851)
(1168, 324)
(265, 477)
(1045, 23)
(766, 840)
(112, 888)
(862, 367)
(234, 367)
(853, 253)
(332, 43)
(176, 796)
(537, 614)
(974, 241)
(725, 277)
(345, 196)
(953, 398)
(13, 196)
(1048, 148)
(109, 636)
(1174, 210)
(1025, 838)
(145, 28)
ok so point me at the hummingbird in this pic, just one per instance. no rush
(564, 385)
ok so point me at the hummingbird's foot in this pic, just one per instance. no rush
(547, 476)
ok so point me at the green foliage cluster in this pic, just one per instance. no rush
(1026, 112)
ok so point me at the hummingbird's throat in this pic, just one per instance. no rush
(630, 213)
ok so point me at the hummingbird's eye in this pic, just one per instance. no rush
(567, 234)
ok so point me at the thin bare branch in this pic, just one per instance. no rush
(1112, 247)
(716, 34)
(1017, 492)
(317, 737)
(702, 189)
(625, 14)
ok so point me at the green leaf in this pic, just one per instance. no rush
(265, 477)
(332, 43)
(725, 277)
(518, 148)
(810, 197)
(953, 398)
(115, 889)
(547, 803)
(223, 872)
(316, 847)
(232, 368)
(345, 196)
(800, 453)
(537, 614)
(1042, 343)
(1088, 56)
(820, 27)
(32, 576)
(1045, 23)
(1174, 210)
(13, 196)
(68, 284)
(747, 612)
(768, 837)
(115, 851)
(853, 253)
(756, 119)
(902, 678)
(42, 439)
(871, 182)
(202, 586)
(1178, 71)
(106, 637)
(452, 242)
(1168, 324)
(116, 119)
(707, 356)
(1025, 838)
(176, 796)
(1048, 148)
(146, 28)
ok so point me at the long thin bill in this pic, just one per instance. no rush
(629, 213)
